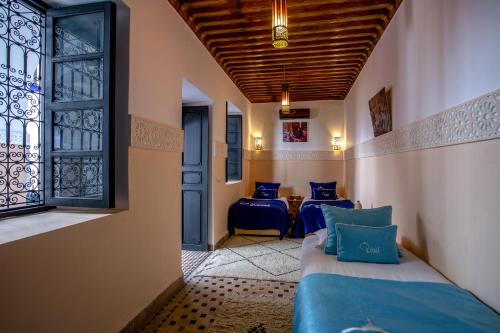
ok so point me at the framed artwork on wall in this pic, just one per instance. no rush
(380, 113)
(295, 131)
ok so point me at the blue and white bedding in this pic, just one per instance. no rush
(259, 214)
(311, 218)
(336, 303)
(336, 296)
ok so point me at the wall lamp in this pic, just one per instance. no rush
(337, 143)
(258, 143)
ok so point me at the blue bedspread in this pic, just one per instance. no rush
(311, 217)
(254, 214)
(334, 303)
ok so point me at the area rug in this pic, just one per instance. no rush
(254, 257)
(227, 305)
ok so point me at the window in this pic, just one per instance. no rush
(234, 147)
(56, 113)
(22, 30)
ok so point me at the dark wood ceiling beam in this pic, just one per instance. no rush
(360, 26)
(330, 41)
(294, 23)
(306, 28)
(274, 54)
(354, 57)
(262, 9)
(315, 39)
(296, 67)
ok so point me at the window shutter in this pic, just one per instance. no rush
(234, 147)
(79, 137)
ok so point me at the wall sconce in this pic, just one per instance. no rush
(258, 143)
(337, 143)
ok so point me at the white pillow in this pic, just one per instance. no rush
(322, 236)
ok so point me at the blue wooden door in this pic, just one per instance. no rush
(195, 179)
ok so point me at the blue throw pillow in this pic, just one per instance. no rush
(375, 217)
(266, 190)
(323, 191)
(367, 244)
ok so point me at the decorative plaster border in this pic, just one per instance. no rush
(297, 155)
(472, 121)
(149, 134)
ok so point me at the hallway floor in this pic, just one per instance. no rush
(220, 304)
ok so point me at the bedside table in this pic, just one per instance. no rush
(294, 202)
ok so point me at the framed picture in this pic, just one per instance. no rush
(380, 113)
(295, 131)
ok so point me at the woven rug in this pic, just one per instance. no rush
(253, 257)
(241, 288)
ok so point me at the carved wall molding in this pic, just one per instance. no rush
(472, 121)
(149, 134)
(297, 155)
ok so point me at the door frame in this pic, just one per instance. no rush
(206, 191)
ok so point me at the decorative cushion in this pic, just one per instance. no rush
(367, 244)
(323, 191)
(375, 217)
(266, 190)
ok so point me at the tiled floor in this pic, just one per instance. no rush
(191, 260)
(223, 304)
(206, 304)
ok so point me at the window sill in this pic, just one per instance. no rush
(20, 227)
(232, 182)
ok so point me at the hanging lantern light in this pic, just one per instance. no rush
(280, 24)
(285, 99)
(285, 94)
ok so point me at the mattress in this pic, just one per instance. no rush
(314, 260)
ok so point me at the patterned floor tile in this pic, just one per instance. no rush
(224, 302)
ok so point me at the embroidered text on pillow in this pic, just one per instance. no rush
(369, 249)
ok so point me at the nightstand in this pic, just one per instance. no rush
(294, 202)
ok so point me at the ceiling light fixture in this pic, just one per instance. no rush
(280, 24)
(285, 95)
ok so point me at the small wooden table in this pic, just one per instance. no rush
(294, 202)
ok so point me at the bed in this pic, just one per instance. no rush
(349, 297)
(311, 218)
(259, 214)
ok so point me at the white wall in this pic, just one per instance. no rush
(435, 55)
(96, 276)
(327, 120)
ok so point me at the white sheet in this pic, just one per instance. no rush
(411, 268)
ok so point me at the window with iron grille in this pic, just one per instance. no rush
(234, 147)
(22, 30)
(56, 88)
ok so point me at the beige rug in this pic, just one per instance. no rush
(255, 257)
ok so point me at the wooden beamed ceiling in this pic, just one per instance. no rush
(329, 42)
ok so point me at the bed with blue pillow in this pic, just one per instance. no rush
(364, 286)
(310, 217)
(265, 210)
